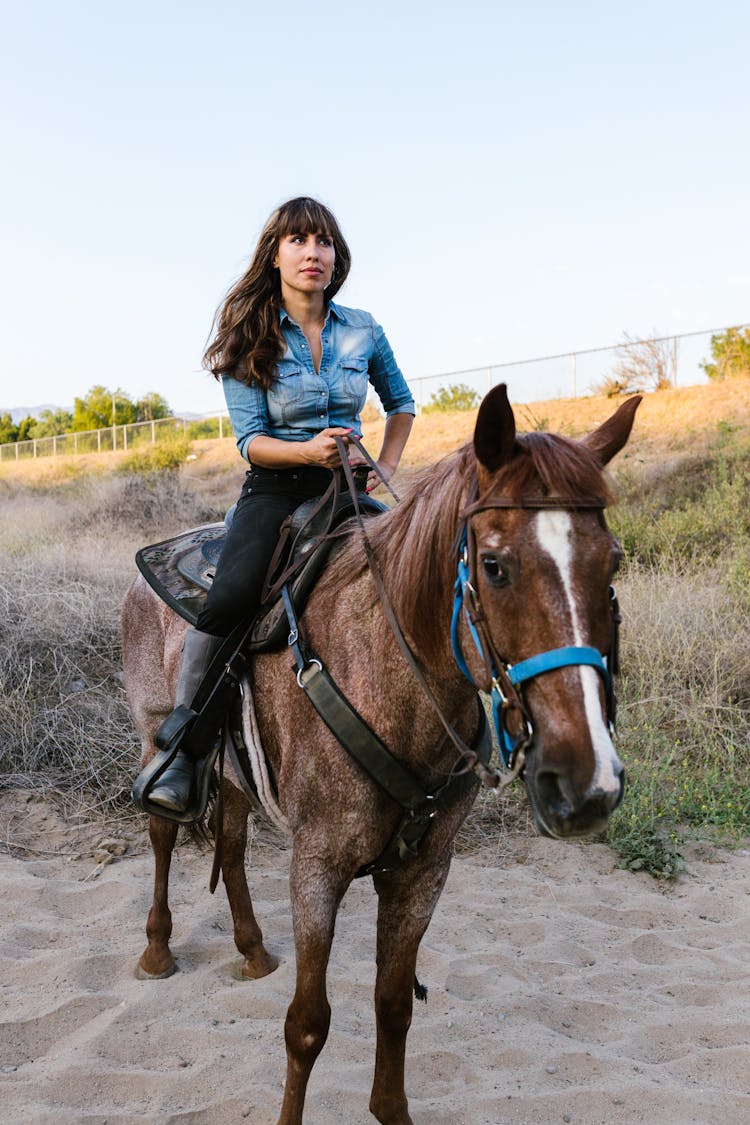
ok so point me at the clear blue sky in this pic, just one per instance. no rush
(513, 179)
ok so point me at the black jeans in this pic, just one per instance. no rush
(268, 496)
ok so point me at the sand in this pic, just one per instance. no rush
(561, 989)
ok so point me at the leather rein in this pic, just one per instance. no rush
(506, 680)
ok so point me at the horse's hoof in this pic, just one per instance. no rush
(260, 967)
(143, 974)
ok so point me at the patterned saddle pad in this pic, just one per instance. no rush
(181, 569)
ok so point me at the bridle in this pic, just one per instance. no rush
(507, 680)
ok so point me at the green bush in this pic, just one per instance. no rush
(730, 352)
(456, 396)
(209, 428)
(159, 457)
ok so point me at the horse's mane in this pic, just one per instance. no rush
(415, 542)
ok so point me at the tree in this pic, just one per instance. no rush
(151, 407)
(643, 365)
(456, 396)
(94, 411)
(8, 429)
(51, 422)
(730, 351)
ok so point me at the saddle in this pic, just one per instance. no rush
(181, 569)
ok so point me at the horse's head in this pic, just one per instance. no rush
(541, 560)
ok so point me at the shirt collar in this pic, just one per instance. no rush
(333, 310)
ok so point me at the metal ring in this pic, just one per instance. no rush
(301, 670)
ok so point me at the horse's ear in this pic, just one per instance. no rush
(495, 431)
(614, 433)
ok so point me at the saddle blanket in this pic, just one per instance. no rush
(181, 569)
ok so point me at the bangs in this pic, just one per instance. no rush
(306, 216)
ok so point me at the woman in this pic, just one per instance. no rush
(295, 369)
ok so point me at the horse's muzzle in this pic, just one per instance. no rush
(558, 813)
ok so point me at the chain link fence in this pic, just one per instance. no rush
(134, 435)
(665, 360)
(675, 360)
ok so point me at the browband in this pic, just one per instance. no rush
(534, 503)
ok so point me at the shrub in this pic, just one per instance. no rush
(642, 365)
(163, 455)
(730, 351)
(456, 396)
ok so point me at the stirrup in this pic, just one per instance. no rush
(150, 774)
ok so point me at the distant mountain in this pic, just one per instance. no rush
(19, 412)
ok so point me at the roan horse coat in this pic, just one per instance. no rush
(542, 578)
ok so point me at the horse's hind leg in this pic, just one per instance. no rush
(247, 934)
(157, 960)
(406, 901)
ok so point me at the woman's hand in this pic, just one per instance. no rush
(373, 480)
(322, 449)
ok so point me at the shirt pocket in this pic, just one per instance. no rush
(356, 379)
(287, 386)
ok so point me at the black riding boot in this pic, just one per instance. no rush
(173, 789)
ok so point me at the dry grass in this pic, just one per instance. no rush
(66, 560)
(70, 528)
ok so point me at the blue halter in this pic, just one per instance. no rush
(516, 674)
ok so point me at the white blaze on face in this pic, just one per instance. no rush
(554, 532)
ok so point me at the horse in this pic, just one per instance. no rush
(540, 562)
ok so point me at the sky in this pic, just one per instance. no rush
(514, 180)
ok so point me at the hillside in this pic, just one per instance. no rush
(672, 427)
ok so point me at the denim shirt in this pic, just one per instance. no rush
(300, 402)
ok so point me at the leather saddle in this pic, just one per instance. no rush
(181, 569)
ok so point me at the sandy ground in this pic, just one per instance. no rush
(560, 989)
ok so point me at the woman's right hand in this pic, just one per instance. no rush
(322, 449)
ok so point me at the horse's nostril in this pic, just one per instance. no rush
(550, 791)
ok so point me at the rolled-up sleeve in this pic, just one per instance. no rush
(385, 376)
(248, 411)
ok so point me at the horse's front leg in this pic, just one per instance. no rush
(157, 960)
(247, 933)
(406, 900)
(316, 892)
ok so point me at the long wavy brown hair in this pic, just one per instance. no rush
(246, 338)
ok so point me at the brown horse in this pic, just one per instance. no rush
(541, 561)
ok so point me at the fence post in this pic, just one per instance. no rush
(489, 379)
(674, 358)
(54, 445)
(98, 441)
(153, 432)
(575, 392)
(125, 438)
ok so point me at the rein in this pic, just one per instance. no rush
(507, 703)
(487, 775)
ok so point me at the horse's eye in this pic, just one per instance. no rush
(494, 570)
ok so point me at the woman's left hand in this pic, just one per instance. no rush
(373, 480)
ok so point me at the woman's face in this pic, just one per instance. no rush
(305, 262)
